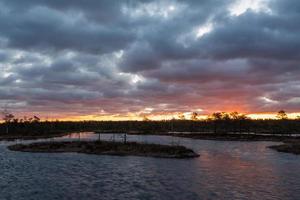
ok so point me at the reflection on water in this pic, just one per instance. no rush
(225, 170)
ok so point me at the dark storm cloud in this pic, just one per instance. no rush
(252, 36)
(125, 56)
(43, 25)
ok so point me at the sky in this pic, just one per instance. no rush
(127, 59)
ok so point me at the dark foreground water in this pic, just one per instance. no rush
(225, 170)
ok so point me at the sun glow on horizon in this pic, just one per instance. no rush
(158, 117)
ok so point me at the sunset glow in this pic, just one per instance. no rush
(141, 117)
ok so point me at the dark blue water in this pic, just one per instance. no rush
(225, 170)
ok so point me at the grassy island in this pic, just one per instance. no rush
(108, 148)
(288, 147)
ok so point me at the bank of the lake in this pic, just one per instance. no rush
(238, 137)
(32, 137)
(216, 136)
(291, 143)
(107, 148)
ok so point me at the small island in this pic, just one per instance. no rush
(288, 147)
(107, 148)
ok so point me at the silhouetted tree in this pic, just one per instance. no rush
(181, 116)
(216, 116)
(7, 118)
(194, 116)
(281, 115)
(234, 115)
(145, 118)
(36, 119)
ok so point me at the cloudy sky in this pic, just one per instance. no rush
(68, 59)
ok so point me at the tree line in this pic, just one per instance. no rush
(219, 122)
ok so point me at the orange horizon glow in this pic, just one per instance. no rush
(158, 117)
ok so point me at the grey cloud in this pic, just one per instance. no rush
(40, 27)
(124, 56)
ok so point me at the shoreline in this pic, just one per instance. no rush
(217, 136)
(13, 138)
(107, 148)
(192, 135)
(239, 137)
(291, 144)
(32, 137)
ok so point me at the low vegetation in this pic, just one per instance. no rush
(108, 148)
(217, 124)
(288, 147)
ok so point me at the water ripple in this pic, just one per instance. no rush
(225, 170)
